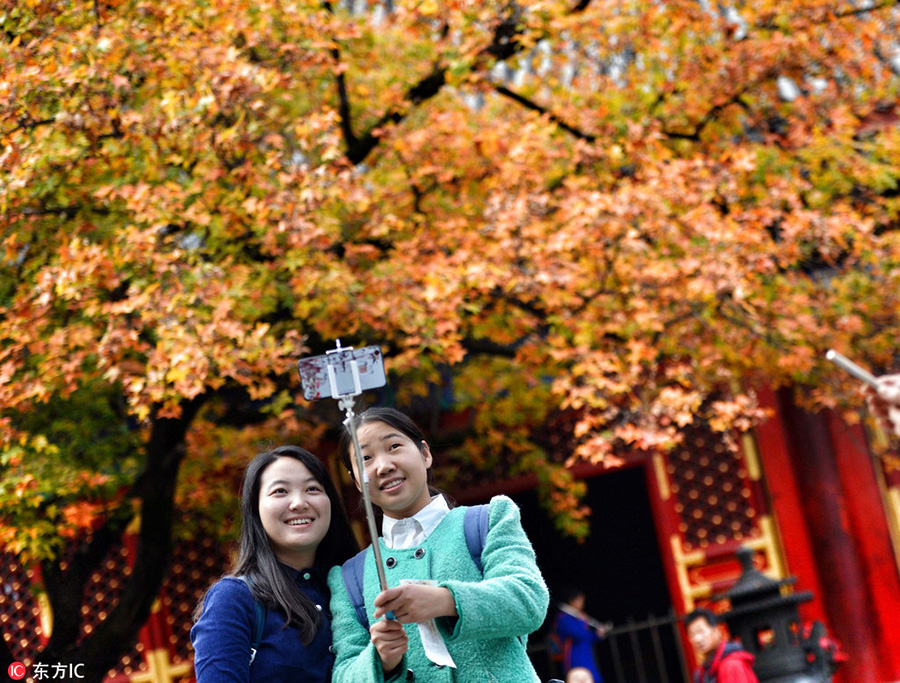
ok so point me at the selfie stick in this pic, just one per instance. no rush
(345, 403)
(586, 618)
(851, 367)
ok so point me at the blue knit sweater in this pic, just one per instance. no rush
(496, 611)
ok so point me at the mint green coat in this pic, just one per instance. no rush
(496, 611)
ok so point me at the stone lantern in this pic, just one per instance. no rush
(765, 616)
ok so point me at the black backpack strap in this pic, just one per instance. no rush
(352, 572)
(259, 622)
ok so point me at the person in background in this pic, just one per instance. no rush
(435, 587)
(579, 675)
(269, 619)
(722, 661)
(578, 633)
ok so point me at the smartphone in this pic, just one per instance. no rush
(342, 372)
(851, 367)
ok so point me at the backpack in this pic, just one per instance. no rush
(475, 526)
(559, 648)
(259, 623)
(556, 647)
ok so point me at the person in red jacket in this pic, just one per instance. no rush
(723, 661)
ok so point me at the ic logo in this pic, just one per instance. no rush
(16, 671)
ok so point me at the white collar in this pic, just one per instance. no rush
(410, 531)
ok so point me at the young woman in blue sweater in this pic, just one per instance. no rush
(293, 530)
(482, 616)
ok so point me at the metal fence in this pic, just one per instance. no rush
(647, 651)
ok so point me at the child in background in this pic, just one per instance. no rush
(482, 617)
(579, 675)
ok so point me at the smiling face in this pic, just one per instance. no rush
(397, 469)
(295, 511)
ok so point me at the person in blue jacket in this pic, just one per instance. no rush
(578, 633)
(269, 620)
(481, 617)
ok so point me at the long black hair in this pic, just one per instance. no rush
(270, 581)
(399, 421)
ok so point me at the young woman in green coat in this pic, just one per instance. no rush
(481, 616)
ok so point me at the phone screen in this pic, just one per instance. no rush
(314, 373)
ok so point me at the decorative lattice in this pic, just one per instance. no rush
(713, 494)
(20, 614)
(195, 565)
(103, 588)
(101, 594)
(132, 662)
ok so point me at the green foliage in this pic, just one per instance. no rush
(68, 470)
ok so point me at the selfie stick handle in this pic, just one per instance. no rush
(346, 404)
(586, 618)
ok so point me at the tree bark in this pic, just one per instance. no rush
(100, 651)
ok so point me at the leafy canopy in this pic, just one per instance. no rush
(596, 221)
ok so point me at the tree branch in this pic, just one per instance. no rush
(533, 106)
(504, 45)
(709, 117)
(343, 102)
(424, 90)
(490, 348)
(343, 98)
(26, 125)
(97, 23)
(68, 211)
(866, 10)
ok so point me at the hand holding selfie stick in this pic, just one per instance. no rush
(344, 373)
(852, 368)
(883, 398)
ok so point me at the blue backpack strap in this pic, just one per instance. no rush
(476, 525)
(259, 622)
(352, 572)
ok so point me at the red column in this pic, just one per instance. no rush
(866, 522)
(847, 596)
(786, 505)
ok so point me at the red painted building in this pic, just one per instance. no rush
(804, 491)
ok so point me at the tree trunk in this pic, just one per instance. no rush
(101, 650)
